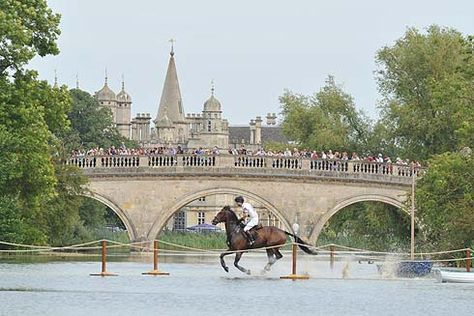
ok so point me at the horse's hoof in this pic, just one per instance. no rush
(226, 269)
(248, 272)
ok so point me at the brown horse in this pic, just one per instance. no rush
(267, 236)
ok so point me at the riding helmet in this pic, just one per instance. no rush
(239, 199)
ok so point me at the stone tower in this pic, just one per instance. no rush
(123, 112)
(107, 99)
(209, 129)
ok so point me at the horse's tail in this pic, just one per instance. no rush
(301, 244)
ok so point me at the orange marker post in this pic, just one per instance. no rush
(293, 276)
(468, 260)
(155, 270)
(104, 262)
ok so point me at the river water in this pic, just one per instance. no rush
(197, 285)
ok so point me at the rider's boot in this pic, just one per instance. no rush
(249, 237)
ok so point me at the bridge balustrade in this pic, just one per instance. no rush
(198, 161)
(250, 161)
(255, 163)
(372, 167)
(162, 161)
(82, 162)
(120, 161)
(286, 163)
(329, 165)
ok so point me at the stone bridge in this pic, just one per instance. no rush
(145, 191)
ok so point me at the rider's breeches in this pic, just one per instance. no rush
(250, 224)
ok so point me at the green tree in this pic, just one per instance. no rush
(428, 88)
(369, 225)
(327, 120)
(27, 28)
(36, 190)
(27, 168)
(445, 202)
(92, 125)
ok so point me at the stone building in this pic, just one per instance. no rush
(173, 127)
(120, 105)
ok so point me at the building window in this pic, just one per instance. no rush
(201, 218)
(208, 126)
(202, 199)
(179, 221)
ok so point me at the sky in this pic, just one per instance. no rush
(252, 50)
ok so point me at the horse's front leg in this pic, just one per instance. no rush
(224, 266)
(238, 255)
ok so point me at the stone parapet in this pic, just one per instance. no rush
(231, 165)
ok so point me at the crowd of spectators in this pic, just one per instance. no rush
(295, 153)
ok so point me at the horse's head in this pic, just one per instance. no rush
(221, 216)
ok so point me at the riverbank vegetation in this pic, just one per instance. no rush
(426, 79)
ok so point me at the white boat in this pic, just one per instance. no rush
(454, 276)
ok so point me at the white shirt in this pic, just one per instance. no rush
(248, 209)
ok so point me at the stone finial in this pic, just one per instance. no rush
(172, 41)
(271, 118)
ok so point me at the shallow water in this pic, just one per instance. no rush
(197, 285)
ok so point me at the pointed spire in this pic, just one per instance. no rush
(123, 83)
(171, 102)
(212, 87)
(105, 75)
(55, 78)
(77, 81)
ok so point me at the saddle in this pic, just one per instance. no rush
(256, 227)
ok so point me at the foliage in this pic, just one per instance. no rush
(27, 28)
(26, 170)
(445, 202)
(369, 225)
(327, 120)
(192, 240)
(93, 213)
(92, 125)
(12, 226)
(427, 82)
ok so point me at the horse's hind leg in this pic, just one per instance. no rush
(224, 266)
(271, 259)
(238, 255)
(278, 254)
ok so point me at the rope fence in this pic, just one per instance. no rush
(332, 252)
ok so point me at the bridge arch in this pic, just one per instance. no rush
(352, 200)
(161, 221)
(131, 229)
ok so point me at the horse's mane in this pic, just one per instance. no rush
(232, 213)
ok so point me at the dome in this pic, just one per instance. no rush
(212, 105)
(105, 94)
(123, 96)
(164, 122)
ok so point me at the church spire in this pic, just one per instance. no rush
(171, 102)
(77, 81)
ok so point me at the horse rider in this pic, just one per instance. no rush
(249, 218)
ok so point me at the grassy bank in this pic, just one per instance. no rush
(192, 240)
